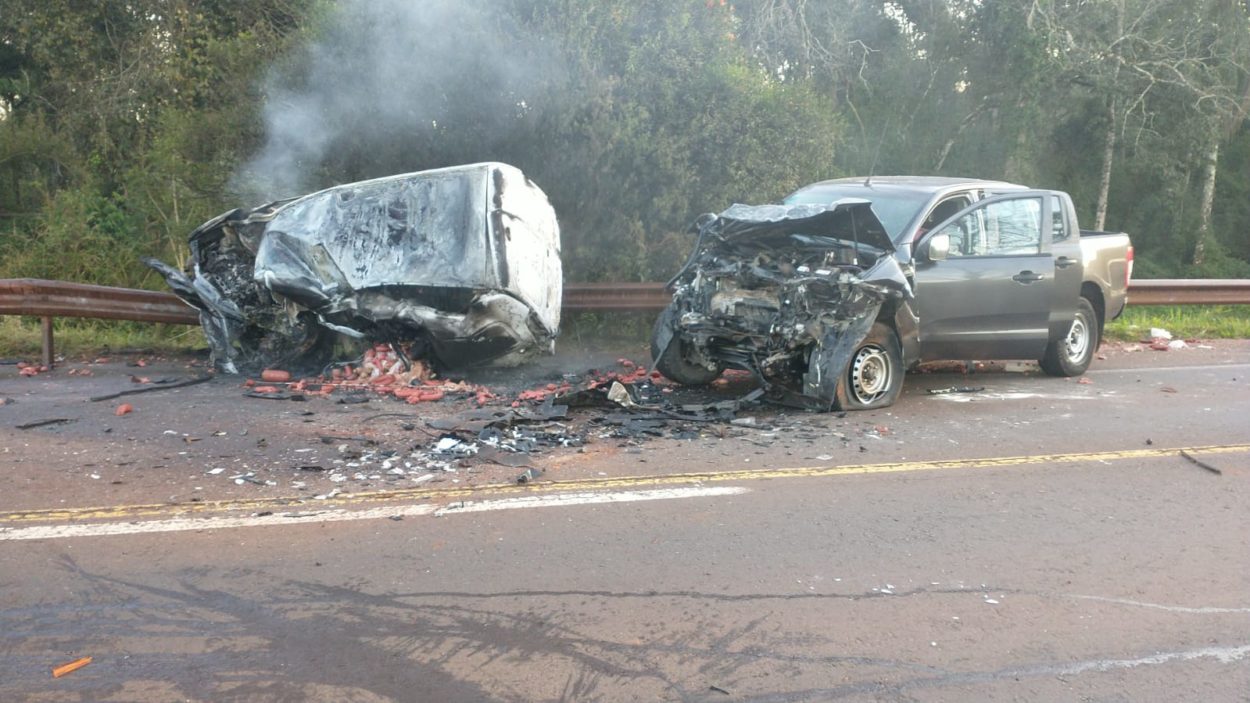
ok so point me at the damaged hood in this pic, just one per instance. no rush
(783, 291)
(850, 220)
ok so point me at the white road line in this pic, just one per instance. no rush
(1204, 610)
(564, 499)
(102, 529)
(1224, 655)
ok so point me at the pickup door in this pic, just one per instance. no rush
(995, 295)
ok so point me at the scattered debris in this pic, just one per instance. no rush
(71, 667)
(1201, 463)
(163, 385)
(956, 389)
(44, 423)
(27, 370)
(124, 409)
(529, 475)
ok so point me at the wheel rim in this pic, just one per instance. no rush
(870, 374)
(1077, 343)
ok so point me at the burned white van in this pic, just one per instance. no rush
(461, 265)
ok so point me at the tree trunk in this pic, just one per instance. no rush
(1108, 155)
(1208, 198)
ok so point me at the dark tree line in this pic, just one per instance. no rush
(124, 125)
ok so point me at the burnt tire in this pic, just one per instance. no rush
(671, 360)
(306, 348)
(1071, 353)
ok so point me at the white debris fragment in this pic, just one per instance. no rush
(991, 601)
(1159, 333)
(423, 478)
(216, 471)
(1177, 344)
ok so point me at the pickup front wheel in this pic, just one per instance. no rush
(871, 379)
(669, 353)
(1070, 354)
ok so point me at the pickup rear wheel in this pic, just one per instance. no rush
(671, 360)
(1070, 354)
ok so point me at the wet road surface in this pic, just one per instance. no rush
(1041, 539)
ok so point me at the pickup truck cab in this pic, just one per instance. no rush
(1006, 277)
(830, 296)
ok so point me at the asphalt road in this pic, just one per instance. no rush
(1040, 539)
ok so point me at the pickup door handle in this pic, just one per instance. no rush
(1064, 262)
(1027, 277)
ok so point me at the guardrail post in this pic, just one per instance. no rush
(48, 351)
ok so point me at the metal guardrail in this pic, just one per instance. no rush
(51, 299)
(1185, 291)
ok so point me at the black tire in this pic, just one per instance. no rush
(872, 379)
(671, 360)
(1070, 354)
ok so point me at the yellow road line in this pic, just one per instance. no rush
(590, 484)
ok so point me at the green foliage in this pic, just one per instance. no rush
(125, 125)
(1183, 321)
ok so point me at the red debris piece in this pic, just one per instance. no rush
(124, 409)
(275, 376)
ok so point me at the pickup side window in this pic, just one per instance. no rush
(1058, 230)
(1005, 228)
(941, 212)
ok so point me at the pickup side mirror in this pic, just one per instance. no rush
(936, 248)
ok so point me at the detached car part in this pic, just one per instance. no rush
(802, 296)
(461, 263)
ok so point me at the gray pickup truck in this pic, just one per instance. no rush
(830, 296)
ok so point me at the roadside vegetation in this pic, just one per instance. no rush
(1183, 321)
(125, 125)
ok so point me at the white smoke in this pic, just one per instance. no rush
(393, 72)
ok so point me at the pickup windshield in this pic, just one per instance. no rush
(894, 209)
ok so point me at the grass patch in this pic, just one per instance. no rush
(1183, 321)
(22, 337)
